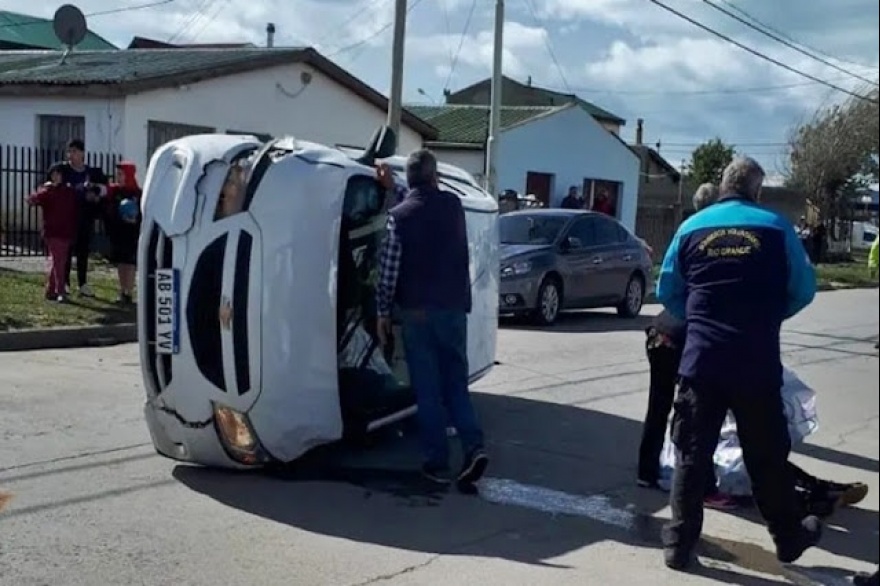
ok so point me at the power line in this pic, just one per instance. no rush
(758, 54)
(93, 14)
(733, 142)
(208, 20)
(786, 42)
(464, 32)
(548, 44)
(447, 22)
(373, 35)
(759, 22)
(198, 13)
(707, 92)
(367, 5)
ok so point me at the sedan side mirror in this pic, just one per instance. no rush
(565, 245)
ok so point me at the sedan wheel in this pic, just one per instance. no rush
(631, 305)
(549, 302)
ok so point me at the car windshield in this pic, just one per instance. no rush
(530, 229)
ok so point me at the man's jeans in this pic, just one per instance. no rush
(436, 353)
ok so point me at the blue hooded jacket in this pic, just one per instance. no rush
(735, 271)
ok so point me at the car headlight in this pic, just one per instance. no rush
(237, 436)
(515, 269)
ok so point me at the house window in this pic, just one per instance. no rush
(158, 133)
(54, 132)
(262, 137)
(603, 196)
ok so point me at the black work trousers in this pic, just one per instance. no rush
(763, 434)
(82, 246)
(664, 362)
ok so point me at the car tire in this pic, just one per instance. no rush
(633, 298)
(549, 302)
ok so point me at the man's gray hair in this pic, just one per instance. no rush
(743, 176)
(706, 195)
(421, 169)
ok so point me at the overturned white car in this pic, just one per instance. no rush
(256, 297)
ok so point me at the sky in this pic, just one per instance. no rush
(630, 57)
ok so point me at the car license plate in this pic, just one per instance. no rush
(167, 311)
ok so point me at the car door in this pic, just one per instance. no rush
(579, 257)
(617, 255)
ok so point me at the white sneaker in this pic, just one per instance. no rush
(86, 291)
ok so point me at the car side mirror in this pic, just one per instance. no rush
(566, 245)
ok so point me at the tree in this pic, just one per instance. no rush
(835, 152)
(709, 160)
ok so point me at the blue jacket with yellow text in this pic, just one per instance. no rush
(734, 272)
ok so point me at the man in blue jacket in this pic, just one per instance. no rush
(734, 272)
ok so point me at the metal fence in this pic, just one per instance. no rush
(22, 170)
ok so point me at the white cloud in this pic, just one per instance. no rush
(522, 44)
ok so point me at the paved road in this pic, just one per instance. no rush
(94, 506)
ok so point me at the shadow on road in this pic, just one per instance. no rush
(372, 495)
(581, 322)
(837, 457)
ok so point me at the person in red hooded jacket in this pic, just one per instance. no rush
(59, 203)
(123, 224)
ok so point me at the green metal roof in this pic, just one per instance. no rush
(31, 32)
(132, 65)
(469, 125)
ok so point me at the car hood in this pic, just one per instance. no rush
(512, 250)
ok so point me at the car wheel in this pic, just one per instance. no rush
(633, 298)
(549, 302)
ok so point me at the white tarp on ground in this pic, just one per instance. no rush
(800, 409)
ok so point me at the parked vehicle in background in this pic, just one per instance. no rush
(556, 259)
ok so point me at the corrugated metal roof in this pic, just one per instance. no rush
(37, 33)
(466, 124)
(129, 66)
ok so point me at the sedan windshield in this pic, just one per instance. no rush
(530, 229)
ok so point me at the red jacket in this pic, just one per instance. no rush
(60, 208)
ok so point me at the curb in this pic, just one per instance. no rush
(73, 337)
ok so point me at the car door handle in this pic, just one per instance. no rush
(597, 260)
(627, 257)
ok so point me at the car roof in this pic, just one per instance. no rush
(551, 212)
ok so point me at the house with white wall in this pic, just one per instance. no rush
(130, 102)
(542, 150)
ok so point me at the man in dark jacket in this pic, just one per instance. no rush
(424, 268)
(90, 184)
(734, 272)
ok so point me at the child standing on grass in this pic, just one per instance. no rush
(59, 204)
(123, 224)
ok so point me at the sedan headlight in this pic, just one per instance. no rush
(237, 436)
(515, 269)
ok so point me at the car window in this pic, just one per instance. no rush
(606, 231)
(364, 199)
(583, 233)
(622, 235)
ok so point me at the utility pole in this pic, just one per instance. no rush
(395, 100)
(495, 103)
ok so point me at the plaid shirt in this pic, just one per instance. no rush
(389, 262)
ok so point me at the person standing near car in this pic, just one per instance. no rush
(873, 263)
(734, 272)
(424, 270)
(572, 201)
(90, 184)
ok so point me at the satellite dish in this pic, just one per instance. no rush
(69, 24)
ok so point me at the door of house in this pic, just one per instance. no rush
(540, 185)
